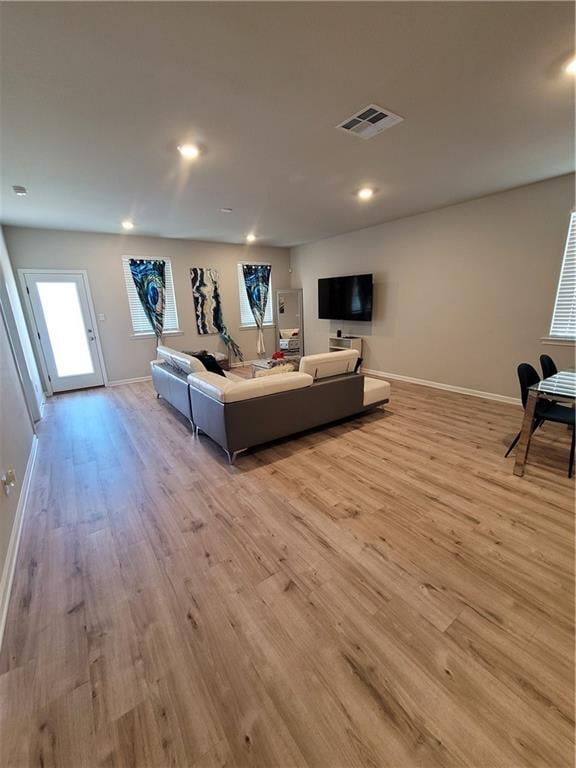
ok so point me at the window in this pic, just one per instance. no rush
(564, 317)
(246, 316)
(141, 326)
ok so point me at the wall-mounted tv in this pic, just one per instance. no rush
(345, 298)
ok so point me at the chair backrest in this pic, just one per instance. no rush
(548, 366)
(527, 376)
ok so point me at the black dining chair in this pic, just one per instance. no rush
(548, 366)
(545, 409)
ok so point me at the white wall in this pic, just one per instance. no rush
(462, 294)
(18, 331)
(100, 254)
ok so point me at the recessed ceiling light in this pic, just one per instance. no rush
(189, 151)
(127, 224)
(19, 190)
(571, 67)
(365, 193)
(225, 210)
(250, 237)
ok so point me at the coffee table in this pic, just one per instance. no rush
(267, 363)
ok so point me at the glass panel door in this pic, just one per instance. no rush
(63, 315)
(67, 337)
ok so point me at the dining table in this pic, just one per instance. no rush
(558, 388)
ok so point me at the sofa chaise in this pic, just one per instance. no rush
(241, 414)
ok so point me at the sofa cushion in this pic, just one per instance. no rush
(226, 391)
(329, 363)
(180, 360)
(375, 390)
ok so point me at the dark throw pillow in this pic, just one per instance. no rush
(210, 363)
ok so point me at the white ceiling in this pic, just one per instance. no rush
(95, 97)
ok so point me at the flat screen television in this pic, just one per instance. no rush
(345, 298)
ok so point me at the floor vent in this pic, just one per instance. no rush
(369, 122)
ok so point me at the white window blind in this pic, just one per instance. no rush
(564, 317)
(246, 316)
(141, 326)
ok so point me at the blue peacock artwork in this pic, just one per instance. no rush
(150, 280)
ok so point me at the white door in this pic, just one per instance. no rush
(65, 329)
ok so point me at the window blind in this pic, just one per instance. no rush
(564, 316)
(140, 323)
(246, 316)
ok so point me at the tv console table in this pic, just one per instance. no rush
(338, 343)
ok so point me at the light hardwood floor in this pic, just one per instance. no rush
(380, 593)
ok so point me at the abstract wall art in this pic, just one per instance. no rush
(208, 306)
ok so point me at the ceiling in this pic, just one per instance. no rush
(96, 96)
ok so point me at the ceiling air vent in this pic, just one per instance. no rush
(369, 122)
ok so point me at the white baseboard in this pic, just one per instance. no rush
(119, 382)
(12, 551)
(446, 387)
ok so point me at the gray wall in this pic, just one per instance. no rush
(16, 435)
(462, 294)
(100, 255)
(16, 325)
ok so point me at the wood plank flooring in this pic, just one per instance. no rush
(380, 593)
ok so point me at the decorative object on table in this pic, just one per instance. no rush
(257, 283)
(150, 281)
(339, 334)
(278, 356)
(208, 307)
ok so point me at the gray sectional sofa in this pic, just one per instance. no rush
(170, 373)
(241, 413)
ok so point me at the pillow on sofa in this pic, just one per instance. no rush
(210, 363)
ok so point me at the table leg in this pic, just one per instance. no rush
(525, 434)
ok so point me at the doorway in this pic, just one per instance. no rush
(64, 323)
